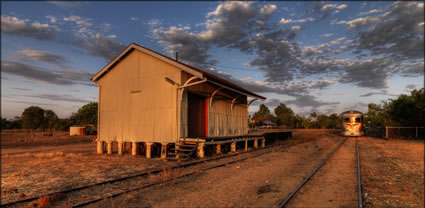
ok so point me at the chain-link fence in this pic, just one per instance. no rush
(405, 132)
(375, 132)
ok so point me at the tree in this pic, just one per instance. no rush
(322, 121)
(86, 114)
(50, 119)
(32, 118)
(284, 115)
(334, 121)
(263, 112)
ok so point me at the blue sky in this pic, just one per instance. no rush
(313, 56)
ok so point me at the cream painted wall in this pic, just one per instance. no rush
(136, 103)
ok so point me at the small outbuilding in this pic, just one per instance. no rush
(147, 98)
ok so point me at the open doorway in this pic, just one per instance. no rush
(197, 115)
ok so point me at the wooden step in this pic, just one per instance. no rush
(186, 145)
(182, 150)
(179, 154)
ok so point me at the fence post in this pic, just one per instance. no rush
(416, 132)
(386, 132)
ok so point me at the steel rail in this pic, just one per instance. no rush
(165, 181)
(359, 181)
(289, 197)
(144, 173)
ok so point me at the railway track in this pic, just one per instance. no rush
(143, 175)
(359, 185)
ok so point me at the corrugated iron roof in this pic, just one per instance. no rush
(133, 46)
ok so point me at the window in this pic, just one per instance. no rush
(346, 120)
(357, 120)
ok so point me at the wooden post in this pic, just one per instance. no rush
(99, 147)
(386, 132)
(148, 149)
(255, 143)
(163, 150)
(263, 143)
(120, 147)
(109, 147)
(201, 150)
(176, 147)
(218, 149)
(233, 147)
(246, 144)
(133, 148)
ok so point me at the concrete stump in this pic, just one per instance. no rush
(200, 152)
(99, 147)
(233, 147)
(163, 150)
(133, 148)
(218, 149)
(120, 147)
(246, 144)
(109, 147)
(148, 149)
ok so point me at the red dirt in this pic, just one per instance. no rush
(392, 175)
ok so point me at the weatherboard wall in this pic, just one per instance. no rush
(136, 103)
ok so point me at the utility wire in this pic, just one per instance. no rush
(230, 67)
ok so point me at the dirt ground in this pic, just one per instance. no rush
(21, 138)
(392, 172)
(392, 175)
(335, 184)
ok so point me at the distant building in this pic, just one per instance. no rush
(146, 97)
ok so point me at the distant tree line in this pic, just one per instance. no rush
(405, 110)
(285, 116)
(35, 117)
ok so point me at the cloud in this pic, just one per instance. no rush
(86, 22)
(267, 10)
(66, 4)
(47, 76)
(52, 19)
(396, 32)
(21, 89)
(295, 28)
(411, 86)
(269, 102)
(134, 19)
(326, 35)
(25, 102)
(43, 56)
(290, 21)
(309, 101)
(19, 27)
(382, 92)
(241, 25)
(333, 6)
(64, 97)
(369, 12)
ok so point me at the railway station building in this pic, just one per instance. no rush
(147, 99)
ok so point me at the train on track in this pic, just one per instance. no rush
(352, 123)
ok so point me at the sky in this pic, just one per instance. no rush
(325, 57)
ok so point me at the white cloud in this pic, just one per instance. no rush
(295, 28)
(326, 35)
(332, 6)
(268, 9)
(134, 19)
(290, 21)
(369, 12)
(79, 20)
(51, 19)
